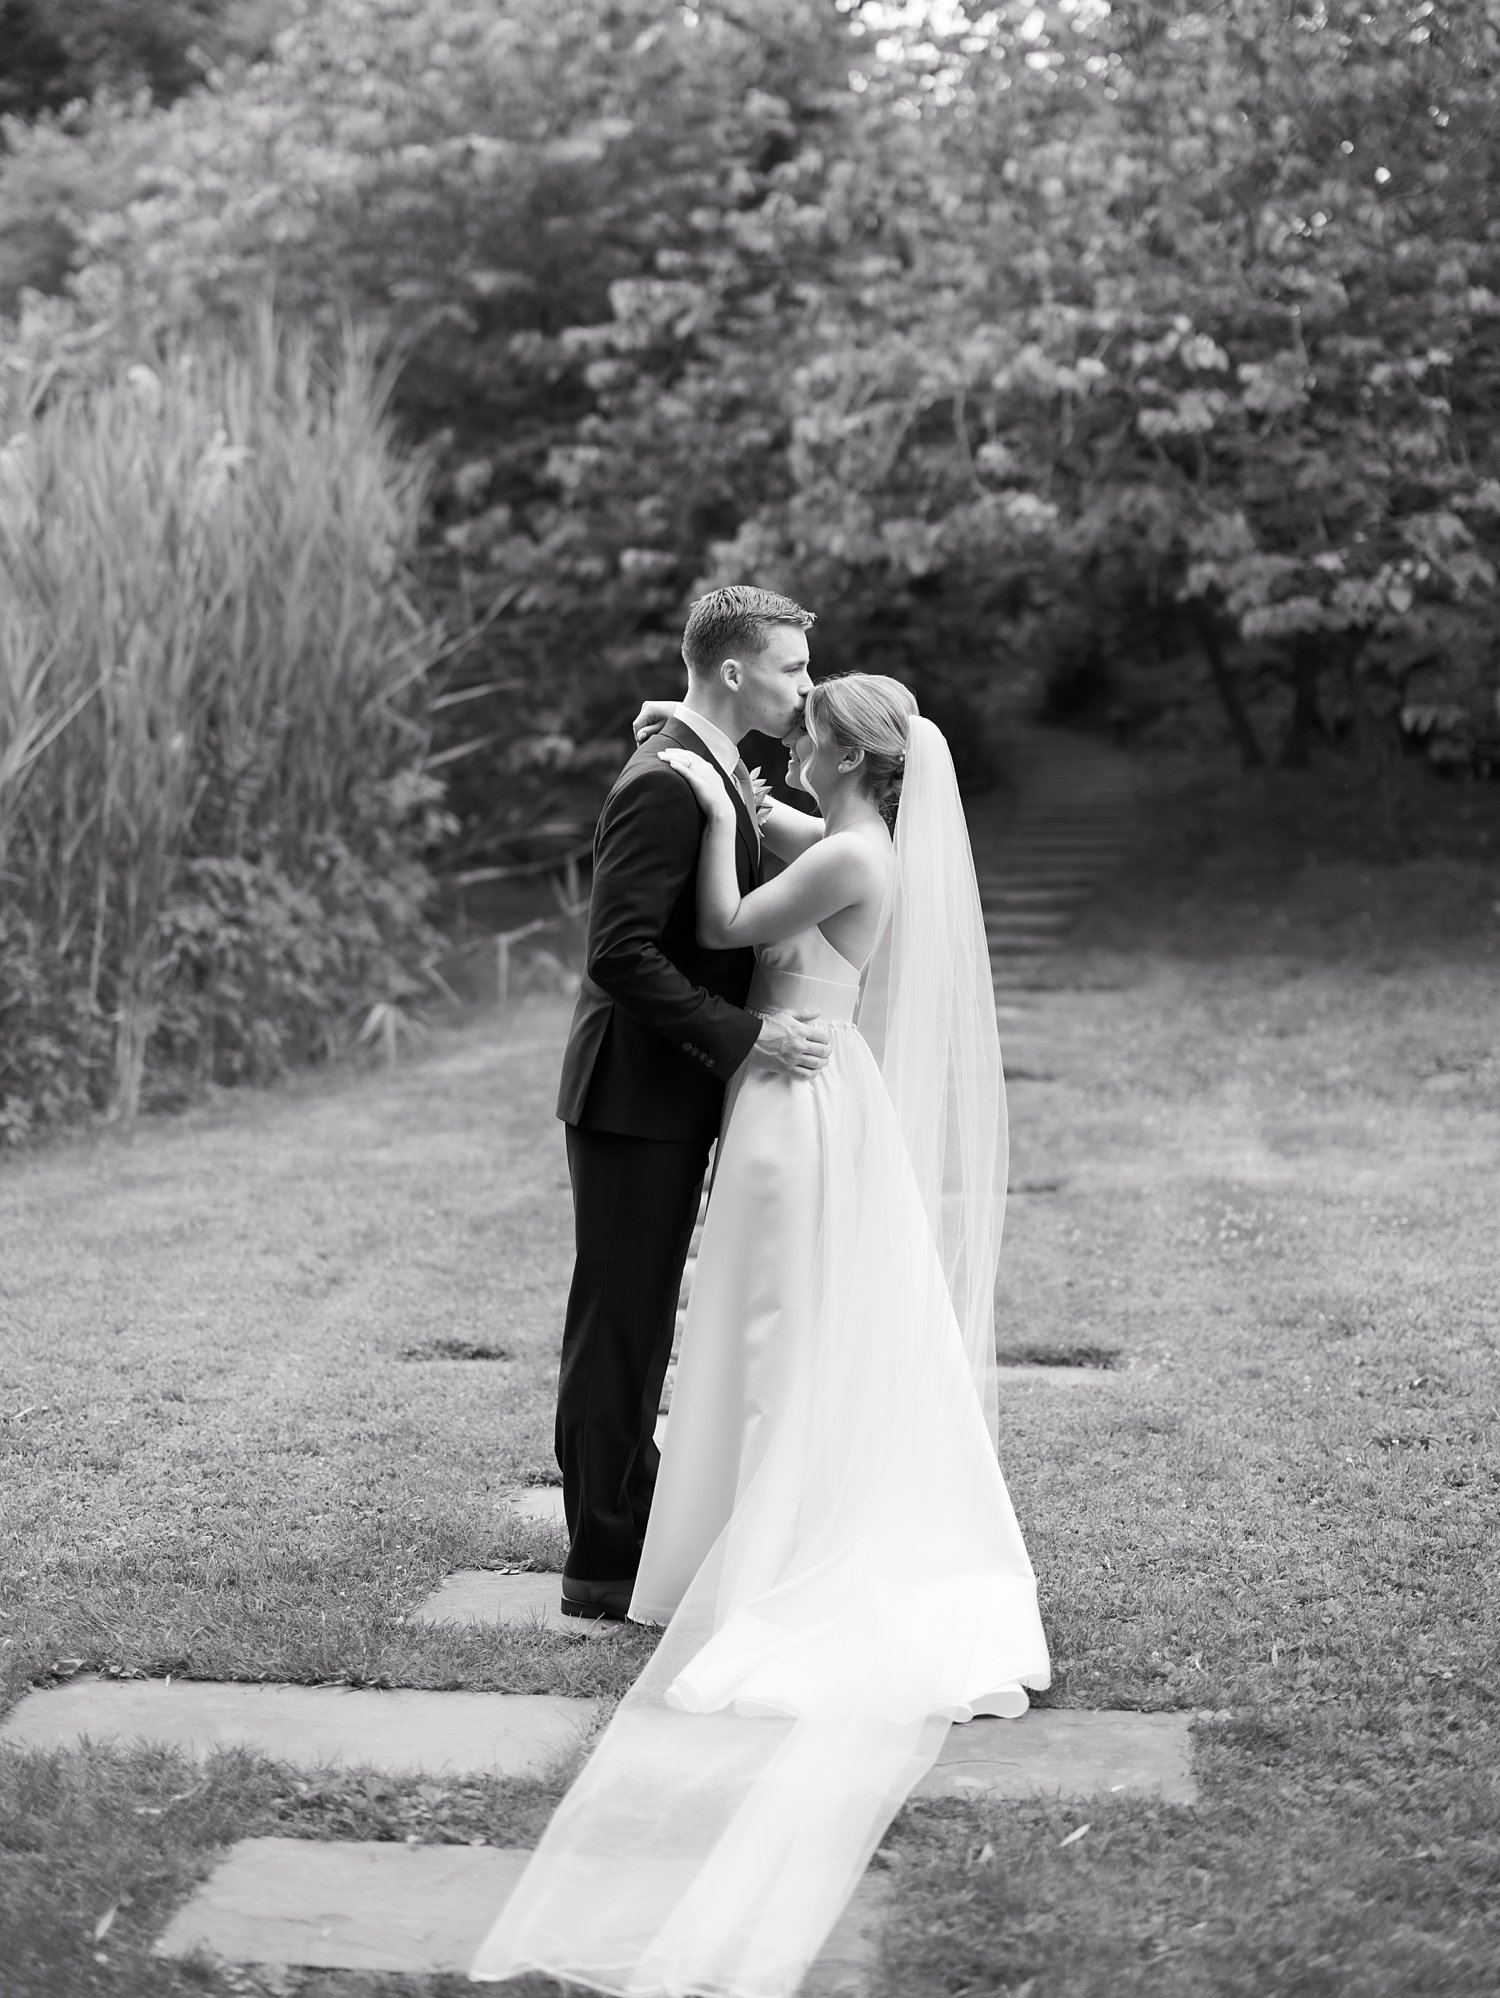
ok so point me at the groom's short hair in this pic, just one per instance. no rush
(734, 620)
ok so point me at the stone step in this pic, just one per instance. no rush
(1067, 1752)
(1068, 828)
(1070, 880)
(421, 1910)
(1089, 856)
(1023, 851)
(1009, 1379)
(402, 1733)
(490, 1597)
(1032, 829)
(1072, 815)
(1062, 1751)
(1051, 881)
(1036, 902)
(537, 1502)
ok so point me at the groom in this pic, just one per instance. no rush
(659, 1029)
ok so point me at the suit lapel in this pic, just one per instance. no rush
(678, 731)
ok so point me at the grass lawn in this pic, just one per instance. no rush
(1273, 1128)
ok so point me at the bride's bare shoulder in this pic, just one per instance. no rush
(859, 857)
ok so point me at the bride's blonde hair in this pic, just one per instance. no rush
(867, 711)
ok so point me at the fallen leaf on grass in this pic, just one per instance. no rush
(1073, 1837)
(181, 1797)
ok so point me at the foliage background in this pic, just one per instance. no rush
(1136, 363)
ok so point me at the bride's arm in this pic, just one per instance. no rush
(785, 831)
(788, 832)
(823, 880)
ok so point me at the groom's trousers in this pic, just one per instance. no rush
(634, 1204)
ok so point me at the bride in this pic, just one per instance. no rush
(831, 1544)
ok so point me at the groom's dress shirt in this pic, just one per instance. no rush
(660, 1024)
(726, 754)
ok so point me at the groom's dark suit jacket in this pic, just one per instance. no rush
(659, 1026)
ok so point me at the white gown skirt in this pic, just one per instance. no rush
(833, 1548)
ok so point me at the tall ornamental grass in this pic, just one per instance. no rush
(212, 733)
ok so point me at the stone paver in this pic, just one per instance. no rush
(486, 1596)
(537, 1502)
(399, 1733)
(349, 1905)
(1053, 1376)
(420, 1910)
(1066, 1752)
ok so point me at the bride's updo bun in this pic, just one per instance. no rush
(867, 711)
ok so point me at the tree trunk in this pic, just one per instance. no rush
(1252, 756)
(1377, 736)
(1306, 722)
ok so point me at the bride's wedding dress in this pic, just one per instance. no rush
(831, 1543)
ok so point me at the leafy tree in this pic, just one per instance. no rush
(55, 51)
(572, 224)
(1075, 339)
(1206, 339)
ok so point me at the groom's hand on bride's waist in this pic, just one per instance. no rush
(798, 1043)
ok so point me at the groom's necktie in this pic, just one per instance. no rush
(747, 791)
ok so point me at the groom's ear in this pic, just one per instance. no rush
(731, 672)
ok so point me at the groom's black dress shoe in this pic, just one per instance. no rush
(597, 1599)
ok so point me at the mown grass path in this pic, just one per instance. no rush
(1269, 1133)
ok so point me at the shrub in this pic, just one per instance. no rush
(212, 728)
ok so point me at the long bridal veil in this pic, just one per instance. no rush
(871, 1585)
(928, 1012)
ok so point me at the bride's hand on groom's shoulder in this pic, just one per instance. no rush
(798, 1043)
(708, 785)
(650, 719)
